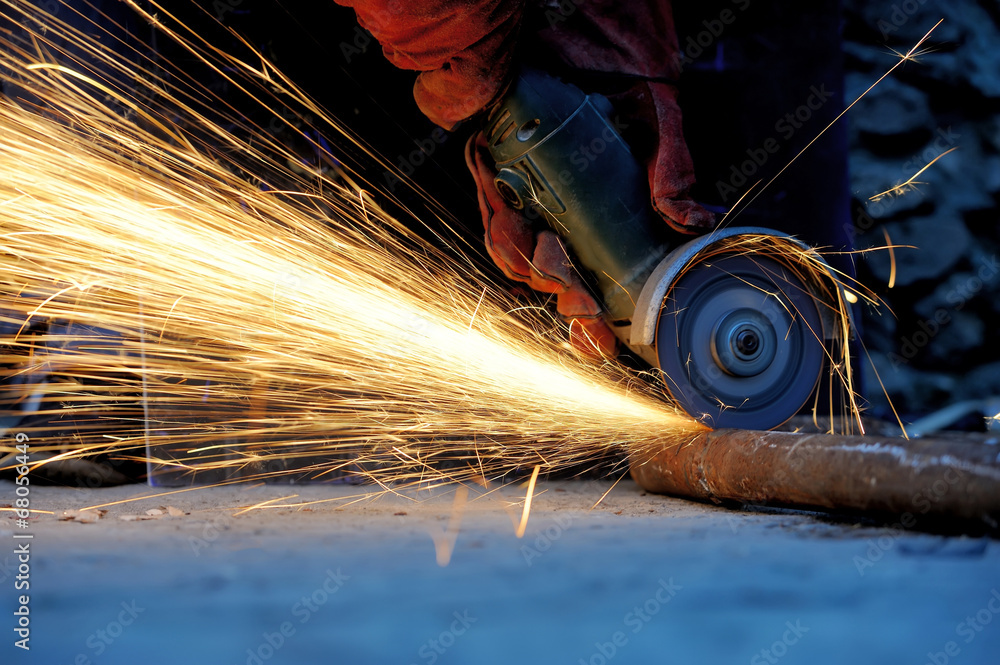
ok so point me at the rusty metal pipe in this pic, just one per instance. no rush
(920, 477)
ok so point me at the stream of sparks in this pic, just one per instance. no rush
(232, 326)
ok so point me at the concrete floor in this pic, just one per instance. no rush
(641, 578)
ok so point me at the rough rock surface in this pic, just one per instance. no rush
(939, 344)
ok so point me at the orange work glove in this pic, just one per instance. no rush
(537, 258)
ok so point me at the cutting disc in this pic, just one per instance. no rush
(740, 342)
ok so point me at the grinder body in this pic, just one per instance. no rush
(739, 340)
(558, 149)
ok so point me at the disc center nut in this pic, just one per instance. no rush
(744, 343)
(747, 343)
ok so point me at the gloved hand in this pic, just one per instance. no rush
(537, 258)
(465, 51)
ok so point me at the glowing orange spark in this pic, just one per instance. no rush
(603, 496)
(911, 183)
(263, 504)
(208, 298)
(527, 502)
(444, 543)
(909, 55)
(892, 258)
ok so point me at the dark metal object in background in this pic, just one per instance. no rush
(755, 84)
(919, 478)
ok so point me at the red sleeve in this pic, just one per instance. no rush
(463, 49)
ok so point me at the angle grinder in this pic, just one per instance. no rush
(738, 322)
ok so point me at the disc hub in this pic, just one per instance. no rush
(740, 341)
(744, 343)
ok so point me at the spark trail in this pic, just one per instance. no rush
(241, 325)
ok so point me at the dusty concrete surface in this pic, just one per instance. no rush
(641, 578)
